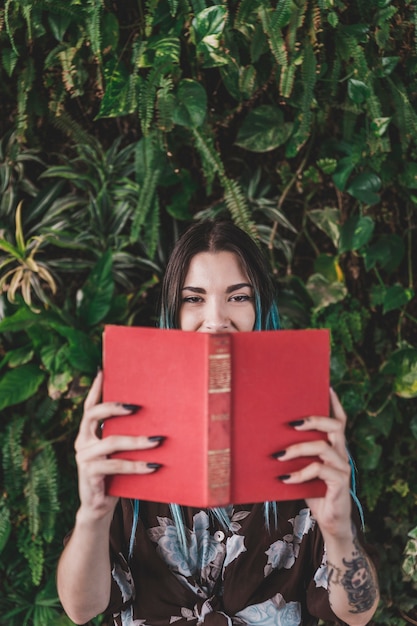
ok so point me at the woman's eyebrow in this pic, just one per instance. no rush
(194, 289)
(238, 286)
(229, 289)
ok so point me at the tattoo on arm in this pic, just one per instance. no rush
(357, 580)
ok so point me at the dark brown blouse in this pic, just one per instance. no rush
(248, 574)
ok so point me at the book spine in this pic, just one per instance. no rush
(219, 419)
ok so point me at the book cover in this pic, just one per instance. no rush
(223, 402)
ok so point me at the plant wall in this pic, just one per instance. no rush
(124, 121)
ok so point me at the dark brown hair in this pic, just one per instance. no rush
(218, 236)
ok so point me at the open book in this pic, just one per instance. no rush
(223, 402)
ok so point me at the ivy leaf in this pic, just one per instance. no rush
(355, 233)
(323, 292)
(379, 125)
(365, 187)
(358, 91)
(19, 384)
(191, 104)
(94, 299)
(207, 28)
(369, 453)
(344, 169)
(396, 297)
(388, 65)
(117, 99)
(402, 364)
(109, 33)
(328, 266)
(327, 220)
(387, 252)
(59, 23)
(263, 130)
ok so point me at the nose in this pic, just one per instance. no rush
(216, 318)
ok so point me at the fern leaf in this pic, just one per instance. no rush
(147, 157)
(147, 97)
(7, 6)
(94, 12)
(72, 129)
(27, 77)
(45, 468)
(165, 105)
(238, 206)
(234, 197)
(13, 458)
(151, 6)
(210, 160)
(173, 7)
(151, 237)
(405, 113)
(309, 78)
(5, 523)
(281, 13)
(244, 12)
(32, 550)
(275, 38)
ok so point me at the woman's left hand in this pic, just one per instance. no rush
(332, 511)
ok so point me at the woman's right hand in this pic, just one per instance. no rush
(93, 454)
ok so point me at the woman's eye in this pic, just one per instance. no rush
(241, 298)
(192, 299)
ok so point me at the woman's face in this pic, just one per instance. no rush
(217, 295)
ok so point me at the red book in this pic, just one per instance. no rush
(223, 402)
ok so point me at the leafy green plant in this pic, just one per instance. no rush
(298, 120)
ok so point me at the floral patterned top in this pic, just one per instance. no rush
(247, 575)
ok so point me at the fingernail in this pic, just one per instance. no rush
(296, 423)
(277, 455)
(154, 466)
(284, 477)
(157, 438)
(131, 407)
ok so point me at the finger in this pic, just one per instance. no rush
(327, 425)
(115, 443)
(99, 412)
(337, 409)
(334, 428)
(322, 449)
(94, 394)
(319, 470)
(110, 467)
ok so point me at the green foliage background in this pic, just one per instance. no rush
(124, 121)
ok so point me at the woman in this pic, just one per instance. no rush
(238, 565)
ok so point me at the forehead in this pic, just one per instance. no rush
(224, 266)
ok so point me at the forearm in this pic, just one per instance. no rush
(352, 581)
(84, 569)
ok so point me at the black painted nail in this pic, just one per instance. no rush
(277, 455)
(154, 466)
(296, 423)
(131, 407)
(284, 477)
(157, 438)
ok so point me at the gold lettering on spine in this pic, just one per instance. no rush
(219, 468)
(219, 398)
(219, 373)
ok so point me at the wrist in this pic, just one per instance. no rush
(87, 518)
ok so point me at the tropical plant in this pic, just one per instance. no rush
(297, 119)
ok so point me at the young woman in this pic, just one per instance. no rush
(154, 564)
